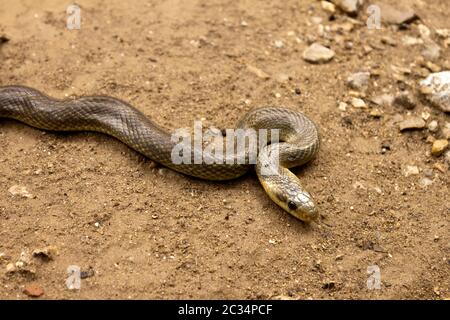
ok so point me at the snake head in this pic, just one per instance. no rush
(286, 191)
(299, 204)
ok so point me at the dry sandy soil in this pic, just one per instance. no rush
(148, 232)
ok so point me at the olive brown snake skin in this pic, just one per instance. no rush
(298, 139)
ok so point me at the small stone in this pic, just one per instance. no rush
(425, 115)
(87, 274)
(282, 77)
(443, 33)
(46, 254)
(316, 53)
(446, 131)
(396, 15)
(350, 7)
(3, 257)
(11, 268)
(389, 41)
(375, 113)
(440, 167)
(358, 103)
(447, 157)
(278, 44)
(383, 100)
(258, 72)
(436, 88)
(328, 285)
(328, 6)
(411, 41)
(359, 81)
(432, 51)
(425, 182)
(20, 191)
(405, 100)
(432, 66)
(439, 147)
(33, 290)
(412, 123)
(433, 126)
(342, 106)
(424, 31)
(410, 170)
(339, 257)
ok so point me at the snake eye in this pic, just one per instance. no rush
(292, 205)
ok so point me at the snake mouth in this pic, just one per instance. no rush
(310, 215)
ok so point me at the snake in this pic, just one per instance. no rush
(297, 143)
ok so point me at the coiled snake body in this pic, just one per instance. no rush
(298, 139)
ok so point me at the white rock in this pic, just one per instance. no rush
(349, 6)
(20, 191)
(358, 103)
(436, 88)
(317, 53)
(433, 126)
(432, 51)
(425, 182)
(410, 170)
(359, 80)
(411, 41)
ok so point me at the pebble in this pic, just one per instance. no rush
(447, 157)
(33, 290)
(383, 100)
(282, 77)
(405, 100)
(47, 253)
(375, 113)
(424, 31)
(439, 146)
(446, 131)
(410, 170)
(278, 44)
(436, 88)
(328, 6)
(433, 126)
(411, 41)
(258, 72)
(432, 66)
(359, 80)
(358, 103)
(342, 106)
(349, 6)
(441, 167)
(443, 33)
(432, 51)
(11, 268)
(425, 182)
(412, 123)
(389, 41)
(20, 191)
(317, 53)
(396, 15)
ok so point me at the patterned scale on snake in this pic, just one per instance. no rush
(298, 140)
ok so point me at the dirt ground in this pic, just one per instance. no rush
(148, 232)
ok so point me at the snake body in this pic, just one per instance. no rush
(298, 139)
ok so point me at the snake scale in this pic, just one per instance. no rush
(298, 139)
